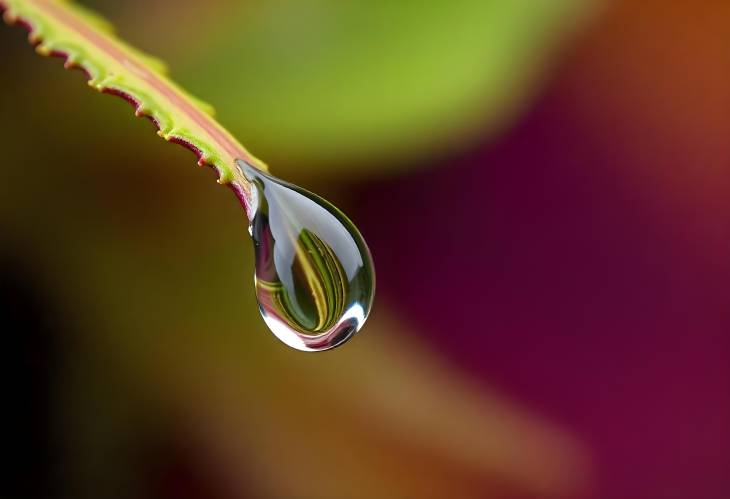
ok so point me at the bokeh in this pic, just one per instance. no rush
(545, 187)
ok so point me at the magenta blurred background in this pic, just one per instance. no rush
(581, 262)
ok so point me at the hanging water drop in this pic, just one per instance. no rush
(314, 274)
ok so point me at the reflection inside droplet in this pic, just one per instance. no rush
(314, 273)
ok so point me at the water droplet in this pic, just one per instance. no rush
(314, 274)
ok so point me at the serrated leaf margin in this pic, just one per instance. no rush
(86, 41)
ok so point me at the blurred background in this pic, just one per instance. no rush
(545, 187)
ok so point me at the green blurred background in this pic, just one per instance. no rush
(545, 187)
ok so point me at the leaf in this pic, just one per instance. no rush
(86, 41)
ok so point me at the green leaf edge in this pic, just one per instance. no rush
(30, 14)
